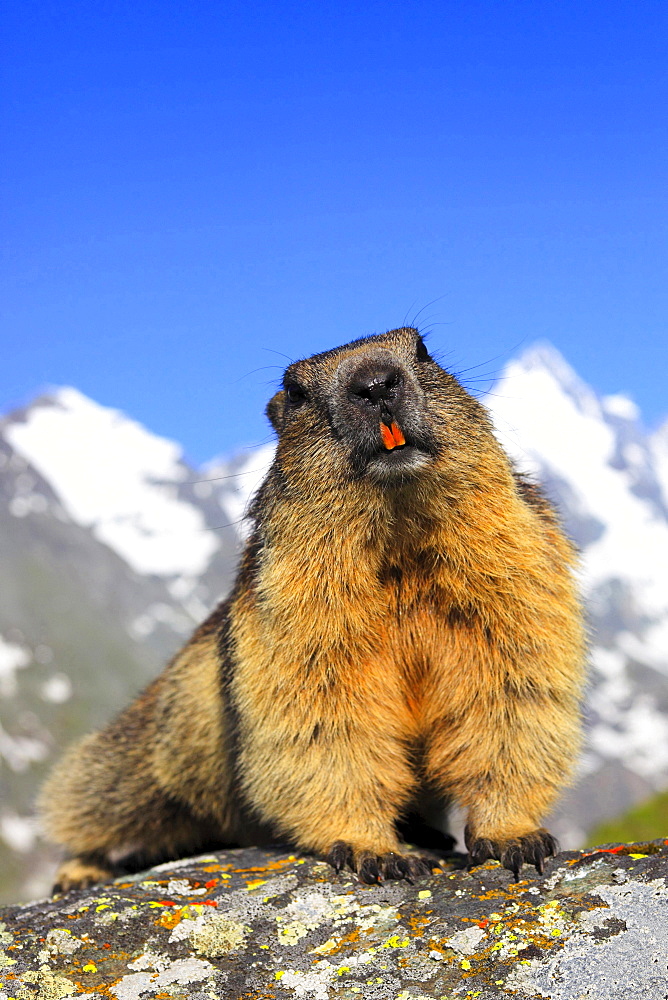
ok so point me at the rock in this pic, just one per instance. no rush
(266, 925)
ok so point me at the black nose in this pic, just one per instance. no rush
(375, 384)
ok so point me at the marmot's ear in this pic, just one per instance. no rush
(275, 410)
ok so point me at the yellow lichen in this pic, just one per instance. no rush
(218, 936)
(254, 883)
(48, 986)
(395, 942)
(292, 932)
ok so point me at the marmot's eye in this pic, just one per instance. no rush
(421, 352)
(296, 395)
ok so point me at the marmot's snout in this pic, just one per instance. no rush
(381, 411)
(375, 383)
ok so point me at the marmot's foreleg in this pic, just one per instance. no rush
(505, 760)
(336, 794)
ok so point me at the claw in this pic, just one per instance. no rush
(546, 847)
(369, 870)
(513, 860)
(480, 851)
(375, 868)
(395, 866)
(531, 848)
(405, 871)
(340, 855)
(419, 867)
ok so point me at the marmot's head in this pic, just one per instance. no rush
(378, 408)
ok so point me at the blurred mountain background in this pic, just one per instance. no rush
(112, 549)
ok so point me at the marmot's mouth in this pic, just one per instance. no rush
(392, 435)
(397, 455)
(400, 461)
(390, 446)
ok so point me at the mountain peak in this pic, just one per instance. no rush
(545, 363)
(621, 407)
(543, 354)
(65, 398)
(74, 401)
(113, 475)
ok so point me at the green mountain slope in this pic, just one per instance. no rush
(648, 821)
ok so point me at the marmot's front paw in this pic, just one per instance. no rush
(80, 873)
(533, 848)
(373, 868)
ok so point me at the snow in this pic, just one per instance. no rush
(57, 689)
(12, 659)
(552, 423)
(158, 614)
(244, 483)
(658, 446)
(33, 503)
(18, 832)
(651, 649)
(556, 427)
(20, 752)
(631, 729)
(117, 478)
(639, 741)
(621, 406)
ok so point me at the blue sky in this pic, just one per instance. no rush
(188, 188)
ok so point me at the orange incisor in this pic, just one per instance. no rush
(392, 435)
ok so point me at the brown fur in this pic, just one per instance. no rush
(389, 633)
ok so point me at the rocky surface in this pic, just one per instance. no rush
(265, 925)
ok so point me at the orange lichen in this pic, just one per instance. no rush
(170, 919)
(417, 923)
(271, 866)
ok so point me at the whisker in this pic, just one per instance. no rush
(426, 306)
(496, 395)
(264, 368)
(219, 527)
(218, 479)
(404, 321)
(484, 377)
(280, 354)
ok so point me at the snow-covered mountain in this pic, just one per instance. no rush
(111, 551)
(609, 478)
(112, 548)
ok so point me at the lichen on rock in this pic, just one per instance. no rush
(258, 925)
